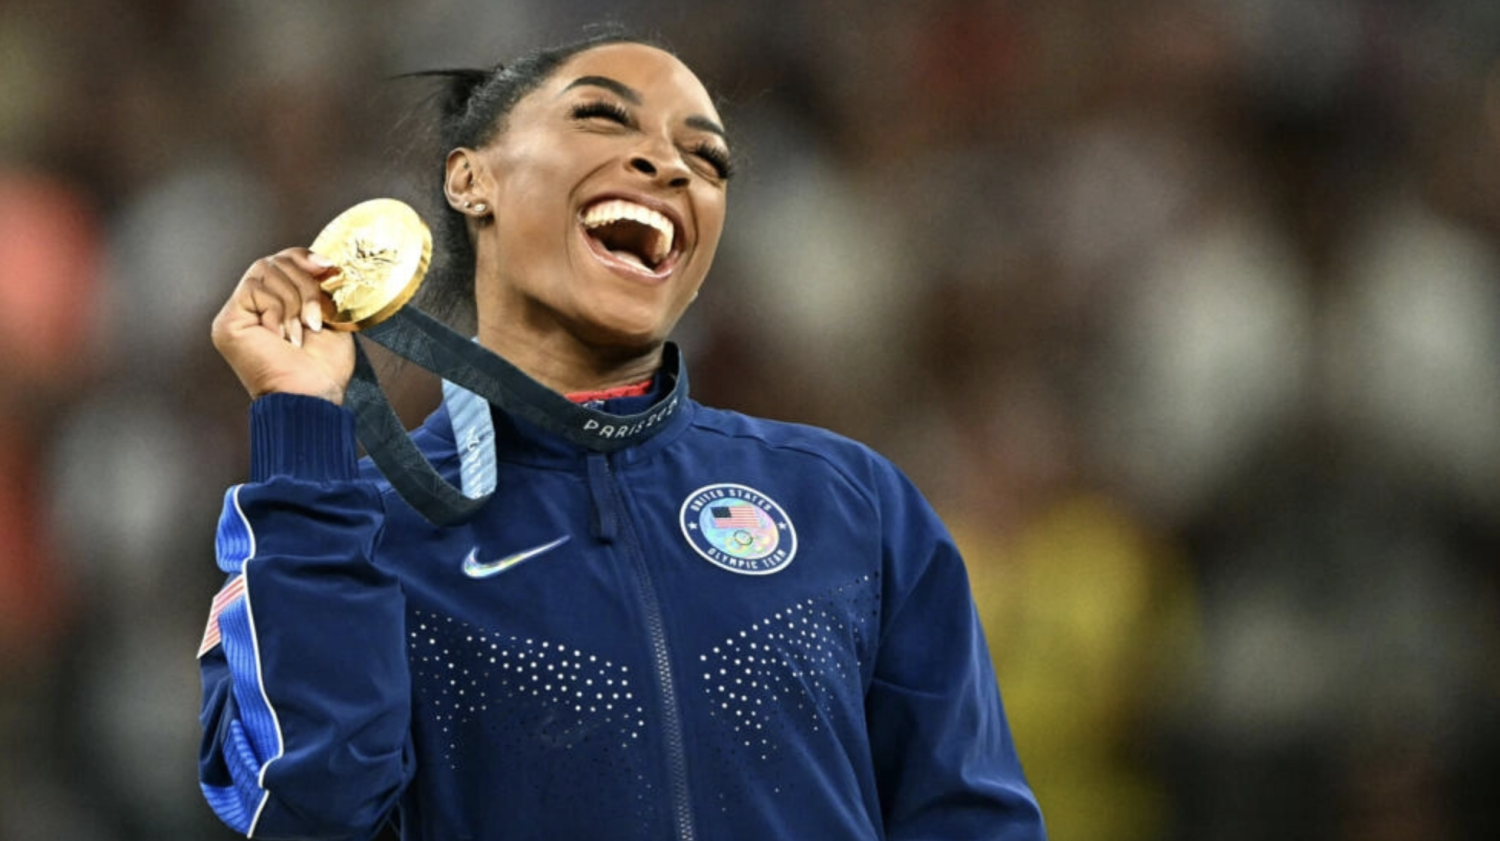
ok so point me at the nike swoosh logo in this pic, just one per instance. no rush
(475, 569)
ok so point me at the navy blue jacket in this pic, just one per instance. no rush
(728, 629)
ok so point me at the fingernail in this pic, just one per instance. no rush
(319, 260)
(312, 313)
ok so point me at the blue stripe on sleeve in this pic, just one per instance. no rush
(257, 732)
(242, 651)
(234, 543)
(239, 804)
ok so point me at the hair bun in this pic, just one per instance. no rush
(460, 85)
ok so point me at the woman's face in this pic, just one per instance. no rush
(608, 193)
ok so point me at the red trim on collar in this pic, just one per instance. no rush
(637, 390)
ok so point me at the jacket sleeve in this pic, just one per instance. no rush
(306, 698)
(945, 764)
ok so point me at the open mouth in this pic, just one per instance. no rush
(630, 234)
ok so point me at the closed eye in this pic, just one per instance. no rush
(600, 109)
(717, 158)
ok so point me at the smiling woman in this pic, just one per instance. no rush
(670, 622)
(604, 201)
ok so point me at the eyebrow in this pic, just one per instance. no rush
(705, 124)
(624, 91)
(633, 96)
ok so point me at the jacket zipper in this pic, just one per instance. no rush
(602, 479)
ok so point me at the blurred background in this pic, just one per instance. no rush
(1184, 313)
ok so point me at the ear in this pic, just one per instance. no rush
(462, 182)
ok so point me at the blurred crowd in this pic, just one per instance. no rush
(1184, 313)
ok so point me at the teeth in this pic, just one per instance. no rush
(615, 210)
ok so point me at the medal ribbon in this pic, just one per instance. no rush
(425, 341)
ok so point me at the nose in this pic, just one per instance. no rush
(661, 163)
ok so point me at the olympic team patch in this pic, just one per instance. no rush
(739, 529)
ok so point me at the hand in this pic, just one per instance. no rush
(270, 331)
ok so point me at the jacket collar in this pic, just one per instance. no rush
(537, 421)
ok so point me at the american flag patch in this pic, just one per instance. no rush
(736, 516)
(738, 529)
(233, 590)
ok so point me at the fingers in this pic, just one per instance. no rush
(317, 268)
(283, 293)
(260, 329)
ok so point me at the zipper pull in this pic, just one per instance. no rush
(603, 524)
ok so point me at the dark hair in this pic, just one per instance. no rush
(473, 106)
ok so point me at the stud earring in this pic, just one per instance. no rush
(481, 207)
(468, 204)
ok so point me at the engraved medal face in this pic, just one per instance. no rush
(382, 248)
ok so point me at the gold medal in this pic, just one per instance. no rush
(381, 248)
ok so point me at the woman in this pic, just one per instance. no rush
(708, 626)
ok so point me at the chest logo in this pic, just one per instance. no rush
(475, 568)
(739, 529)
